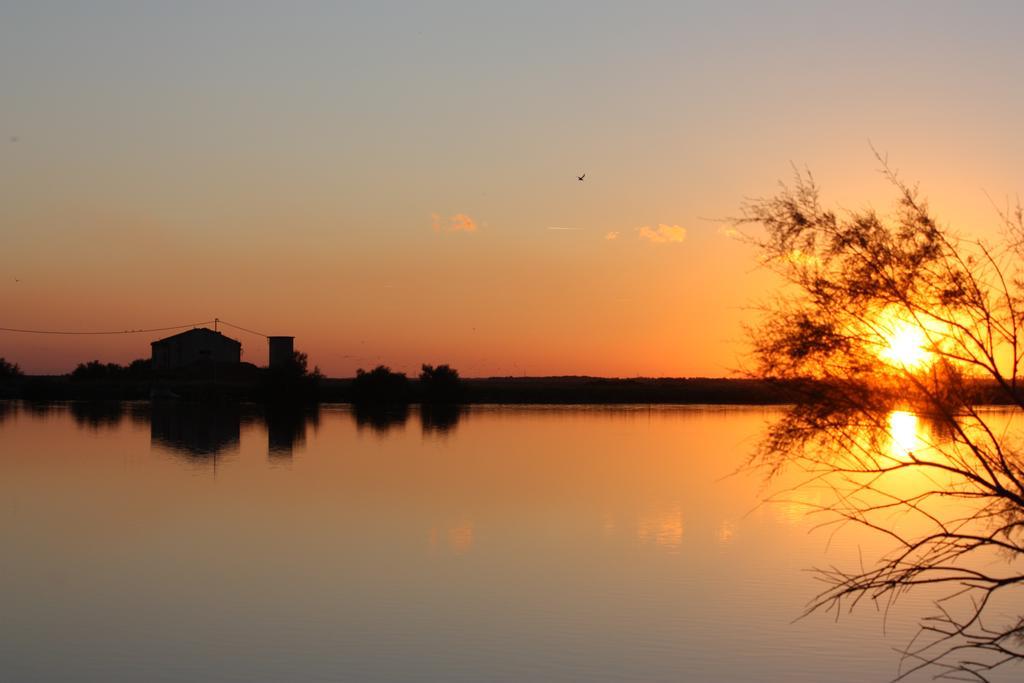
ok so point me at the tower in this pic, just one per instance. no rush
(282, 351)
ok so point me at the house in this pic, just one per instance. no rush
(198, 345)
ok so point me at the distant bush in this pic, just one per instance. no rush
(95, 370)
(440, 384)
(380, 385)
(9, 369)
(140, 367)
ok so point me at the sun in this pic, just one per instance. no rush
(905, 346)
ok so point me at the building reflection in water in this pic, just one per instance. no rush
(286, 428)
(196, 430)
(202, 430)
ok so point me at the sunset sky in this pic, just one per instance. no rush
(384, 181)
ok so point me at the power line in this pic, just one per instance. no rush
(135, 331)
(243, 329)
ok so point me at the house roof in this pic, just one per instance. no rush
(202, 331)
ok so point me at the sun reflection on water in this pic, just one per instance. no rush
(458, 537)
(904, 434)
(662, 527)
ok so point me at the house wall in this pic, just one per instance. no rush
(183, 350)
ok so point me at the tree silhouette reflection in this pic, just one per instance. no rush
(440, 418)
(97, 414)
(7, 409)
(380, 418)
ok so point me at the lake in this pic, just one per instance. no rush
(183, 543)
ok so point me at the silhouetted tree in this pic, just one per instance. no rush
(9, 369)
(897, 313)
(95, 370)
(140, 367)
(380, 386)
(440, 384)
(291, 382)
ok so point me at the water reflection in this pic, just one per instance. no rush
(93, 415)
(39, 408)
(196, 430)
(204, 429)
(457, 538)
(905, 434)
(286, 428)
(8, 409)
(440, 419)
(98, 415)
(663, 527)
(528, 544)
(380, 419)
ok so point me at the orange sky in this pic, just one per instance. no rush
(382, 184)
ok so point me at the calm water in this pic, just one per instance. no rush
(164, 543)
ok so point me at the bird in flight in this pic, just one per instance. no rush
(581, 177)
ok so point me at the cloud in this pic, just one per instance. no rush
(729, 231)
(460, 222)
(663, 234)
(612, 235)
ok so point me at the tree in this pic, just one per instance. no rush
(881, 314)
(298, 366)
(95, 370)
(8, 369)
(380, 386)
(140, 367)
(440, 384)
(290, 382)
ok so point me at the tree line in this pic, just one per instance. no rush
(380, 386)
